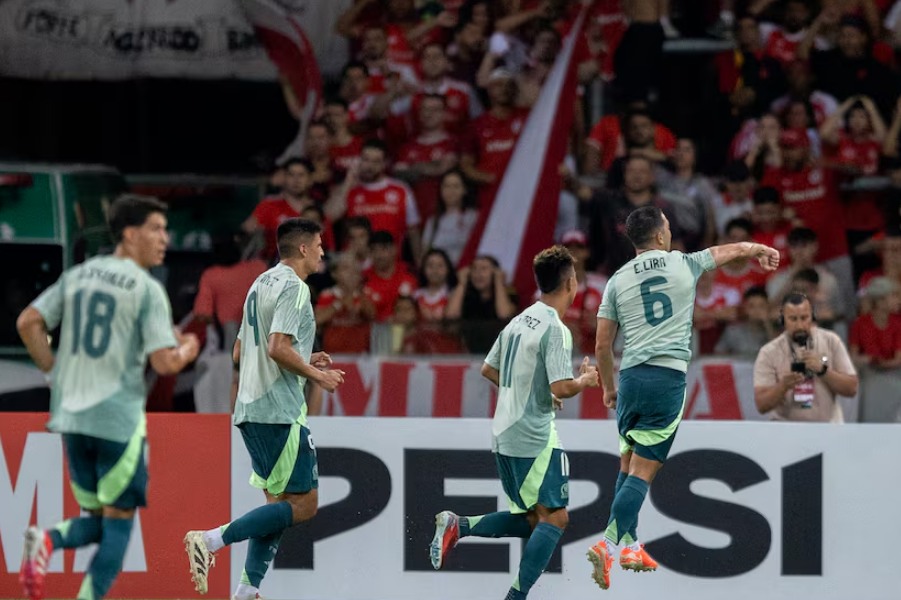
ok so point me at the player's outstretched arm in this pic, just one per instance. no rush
(169, 361)
(491, 374)
(768, 257)
(33, 331)
(281, 350)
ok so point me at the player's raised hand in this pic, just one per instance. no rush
(331, 379)
(585, 366)
(769, 260)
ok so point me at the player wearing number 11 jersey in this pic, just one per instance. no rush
(530, 362)
(652, 299)
(274, 352)
(112, 315)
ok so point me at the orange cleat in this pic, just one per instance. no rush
(603, 562)
(639, 561)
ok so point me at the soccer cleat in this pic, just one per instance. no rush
(631, 560)
(35, 557)
(597, 556)
(256, 597)
(201, 559)
(447, 534)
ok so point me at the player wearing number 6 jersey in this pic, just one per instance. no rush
(530, 361)
(274, 351)
(652, 299)
(112, 315)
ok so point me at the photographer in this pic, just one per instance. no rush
(798, 375)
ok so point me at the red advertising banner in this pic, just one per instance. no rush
(189, 461)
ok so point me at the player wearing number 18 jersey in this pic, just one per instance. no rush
(274, 351)
(652, 299)
(113, 315)
(530, 361)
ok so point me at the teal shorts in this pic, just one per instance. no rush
(106, 473)
(649, 406)
(283, 457)
(531, 481)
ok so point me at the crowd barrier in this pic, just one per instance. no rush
(741, 510)
(717, 388)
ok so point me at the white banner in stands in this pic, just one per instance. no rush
(122, 39)
(397, 387)
(741, 510)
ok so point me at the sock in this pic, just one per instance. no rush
(624, 512)
(76, 533)
(634, 546)
(245, 591)
(496, 525)
(620, 478)
(260, 552)
(260, 522)
(107, 562)
(535, 557)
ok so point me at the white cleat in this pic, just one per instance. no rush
(201, 559)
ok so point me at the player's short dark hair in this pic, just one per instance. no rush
(801, 236)
(131, 210)
(381, 238)
(766, 195)
(304, 162)
(643, 224)
(758, 291)
(807, 276)
(375, 144)
(551, 267)
(741, 223)
(293, 232)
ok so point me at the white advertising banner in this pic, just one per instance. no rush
(741, 510)
(122, 39)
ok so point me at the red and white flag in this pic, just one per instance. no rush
(289, 48)
(522, 218)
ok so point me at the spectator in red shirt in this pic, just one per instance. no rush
(737, 200)
(461, 104)
(374, 54)
(345, 311)
(581, 316)
(854, 135)
(812, 193)
(606, 142)
(356, 240)
(411, 336)
(355, 91)
(640, 140)
(876, 337)
(437, 278)
(386, 279)
(801, 88)
(272, 211)
(771, 228)
(318, 151)
(389, 204)
(492, 138)
(345, 147)
(423, 161)
(466, 52)
(781, 42)
(716, 306)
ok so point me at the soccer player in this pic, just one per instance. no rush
(652, 298)
(113, 316)
(530, 360)
(274, 352)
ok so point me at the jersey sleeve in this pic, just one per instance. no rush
(494, 355)
(288, 309)
(699, 262)
(558, 360)
(607, 309)
(156, 319)
(50, 304)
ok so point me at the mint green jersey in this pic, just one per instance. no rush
(533, 351)
(652, 297)
(113, 314)
(278, 302)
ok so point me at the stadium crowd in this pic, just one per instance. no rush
(406, 154)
